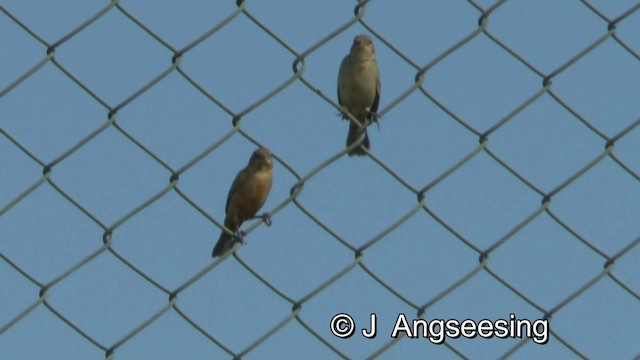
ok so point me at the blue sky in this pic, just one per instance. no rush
(539, 141)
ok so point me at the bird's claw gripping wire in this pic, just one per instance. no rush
(265, 217)
(239, 235)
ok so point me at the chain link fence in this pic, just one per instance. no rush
(420, 191)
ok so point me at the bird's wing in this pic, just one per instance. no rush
(376, 99)
(240, 180)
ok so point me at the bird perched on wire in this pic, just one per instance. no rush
(359, 89)
(248, 193)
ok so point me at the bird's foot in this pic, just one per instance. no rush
(266, 218)
(344, 113)
(239, 236)
(373, 117)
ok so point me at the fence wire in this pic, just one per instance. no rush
(421, 192)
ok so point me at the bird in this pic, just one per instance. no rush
(248, 193)
(359, 89)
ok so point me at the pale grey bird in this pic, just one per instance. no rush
(359, 89)
(248, 193)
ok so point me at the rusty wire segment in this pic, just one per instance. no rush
(421, 191)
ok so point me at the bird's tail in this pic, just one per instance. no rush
(225, 242)
(354, 133)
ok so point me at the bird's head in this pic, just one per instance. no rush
(261, 158)
(363, 47)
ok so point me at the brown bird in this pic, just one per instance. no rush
(359, 89)
(248, 193)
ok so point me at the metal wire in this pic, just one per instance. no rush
(422, 191)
